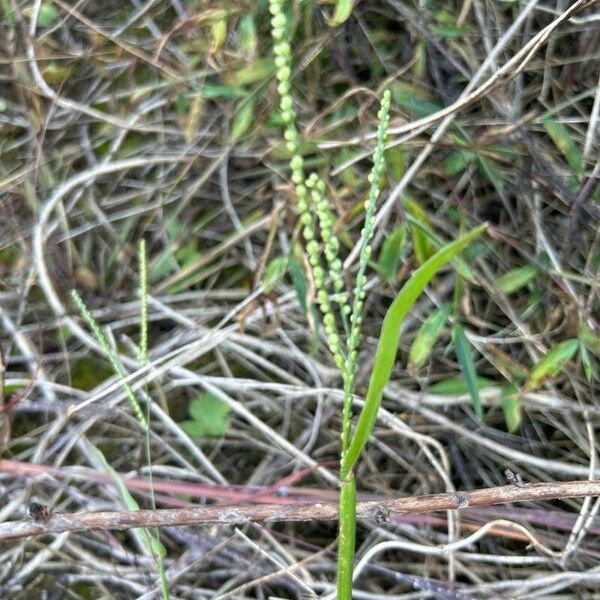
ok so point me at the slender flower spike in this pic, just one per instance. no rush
(365, 252)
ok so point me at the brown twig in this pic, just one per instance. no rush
(380, 511)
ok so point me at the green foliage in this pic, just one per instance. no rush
(112, 357)
(209, 417)
(48, 15)
(347, 535)
(564, 141)
(149, 542)
(589, 338)
(517, 278)
(446, 25)
(243, 117)
(247, 32)
(363, 260)
(387, 347)
(586, 361)
(299, 282)
(419, 227)
(511, 407)
(427, 336)
(465, 359)
(456, 162)
(457, 386)
(276, 269)
(343, 9)
(553, 363)
(392, 252)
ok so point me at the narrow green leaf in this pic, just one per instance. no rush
(588, 337)
(248, 38)
(516, 278)
(395, 159)
(392, 253)
(243, 118)
(460, 264)
(457, 386)
(259, 70)
(390, 337)
(148, 541)
(343, 9)
(222, 91)
(511, 407)
(299, 281)
(490, 169)
(465, 359)
(586, 360)
(564, 141)
(551, 364)
(427, 336)
(422, 246)
(275, 270)
(456, 162)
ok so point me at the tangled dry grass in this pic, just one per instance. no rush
(158, 120)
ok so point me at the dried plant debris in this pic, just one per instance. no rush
(163, 121)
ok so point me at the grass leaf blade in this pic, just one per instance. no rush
(554, 361)
(390, 336)
(465, 359)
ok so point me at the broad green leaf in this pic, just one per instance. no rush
(244, 115)
(565, 142)
(389, 338)
(511, 407)
(427, 336)
(48, 15)
(516, 278)
(274, 272)
(551, 364)
(465, 359)
(210, 417)
(343, 9)
(457, 386)
(392, 252)
(148, 541)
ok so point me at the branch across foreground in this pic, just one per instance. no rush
(240, 514)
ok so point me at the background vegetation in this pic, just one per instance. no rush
(160, 121)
